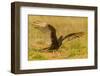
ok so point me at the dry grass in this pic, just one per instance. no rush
(38, 40)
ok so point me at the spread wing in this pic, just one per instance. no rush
(54, 40)
(49, 27)
(73, 36)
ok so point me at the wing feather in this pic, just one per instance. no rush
(73, 36)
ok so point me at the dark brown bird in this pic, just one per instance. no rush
(57, 42)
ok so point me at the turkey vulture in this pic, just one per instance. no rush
(56, 42)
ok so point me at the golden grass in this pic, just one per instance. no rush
(74, 49)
